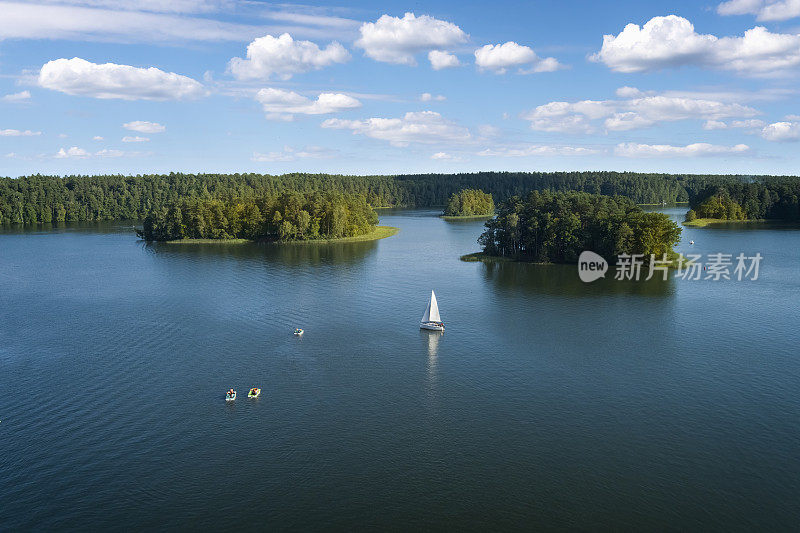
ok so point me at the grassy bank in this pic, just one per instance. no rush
(466, 217)
(484, 258)
(703, 222)
(380, 232)
(674, 260)
(208, 241)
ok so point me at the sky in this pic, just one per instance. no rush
(114, 86)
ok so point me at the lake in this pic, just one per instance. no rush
(548, 403)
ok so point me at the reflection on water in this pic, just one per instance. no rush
(564, 280)
(286, 254)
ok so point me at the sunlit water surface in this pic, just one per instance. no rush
(548, 403)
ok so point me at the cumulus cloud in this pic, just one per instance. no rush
(19, 133)
(667, 150)
(537, 150)
(781, 131)
(79, 153)
(79, 77)
(765, 10)
(292, 154)
(753, 124)
(142, 126)
(441, 60)
(282, 105)
(98, 138)
(671, 41)
(22, 96)
(424, 127)
(398, 40)
(73, 152)
(500, 57)
(428, 97)
(632, 113)
(284, 57)
(135, 139)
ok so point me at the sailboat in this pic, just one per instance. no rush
(431, 319)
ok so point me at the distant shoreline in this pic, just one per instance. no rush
(703, 222)
(464, 217)
(380, 232)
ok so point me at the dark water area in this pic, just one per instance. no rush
(548, 403)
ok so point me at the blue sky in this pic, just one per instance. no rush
(90, 86)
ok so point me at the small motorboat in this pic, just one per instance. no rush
(691, 243)
(431, 319)
(255, 392)
(298, 332)
(230, 395)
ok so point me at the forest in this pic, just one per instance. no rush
(469, 202)
(548, 227)
(37, 198)
(773, 199)
(290, 216)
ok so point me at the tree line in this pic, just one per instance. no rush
(38, 198)
(469, 202)
(768, 199)
(555, 227)
(286, 217)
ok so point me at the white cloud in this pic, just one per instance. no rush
(667, 150)
(752, 124)
(284, 57)
(629, 92)
(500, 57)
(792, 117)
(291, 154)
(428, 97)
(22, 96)
(441, 60)
(79, 153)
(714, 125)
(765, 10)
(98, 138)
(672, 42)
(122, 23)
(282, 105)
(537, 150)
(142, 126)
(781, 131)
(73, 152)
(398, 40)
(442, 156)
(425, 127)
(627, 121)
(81, 78)
(628, 114)
(62, 135)
(564, 124)
(19, 133)
(135, 139)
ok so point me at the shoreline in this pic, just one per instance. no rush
(703, 222)
(465, 217)
(380, 232)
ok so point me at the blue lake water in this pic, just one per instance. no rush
(548, 403)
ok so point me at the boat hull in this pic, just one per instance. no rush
(230, 398)
(255, 394)
(432, 326)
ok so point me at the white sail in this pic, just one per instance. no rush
(427, 316)
(433, 310)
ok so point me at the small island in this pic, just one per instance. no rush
(290, 217)
(469, 203)
(748, 202)
(548, 227)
